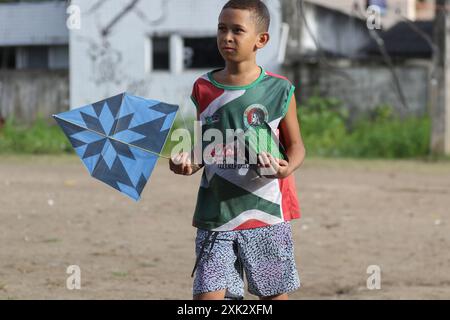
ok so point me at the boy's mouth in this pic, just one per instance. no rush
(228, 49)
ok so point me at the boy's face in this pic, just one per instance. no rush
(237, 30)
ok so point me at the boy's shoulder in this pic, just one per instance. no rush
(277, 76)
(202, 80)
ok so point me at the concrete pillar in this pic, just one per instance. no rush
(176, 54)
(440, 109)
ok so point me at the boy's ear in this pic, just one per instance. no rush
(263, 39)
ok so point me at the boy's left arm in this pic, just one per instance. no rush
(293, 143)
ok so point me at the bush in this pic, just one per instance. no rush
(40, 138)
(327, 131)
(325, 124)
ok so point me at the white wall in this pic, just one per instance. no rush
(94, 79)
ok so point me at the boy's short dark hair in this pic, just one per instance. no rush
(257, 8)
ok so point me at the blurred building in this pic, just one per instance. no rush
(150, 48)
(34, 59)
(334, 51)
(158, 48)
(392, 10)
(154, 49)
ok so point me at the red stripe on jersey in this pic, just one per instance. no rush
(205, 93)
(289, 199)
(276, 75)
(250, 224)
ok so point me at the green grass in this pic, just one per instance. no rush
(327, 131)
(52, 240)
(43, 137)
(120, 274)
(40, 138)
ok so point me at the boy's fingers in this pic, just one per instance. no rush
(274, 162)
(182, 162)
(177, 162)
(172, 162)
(176, 159)
(185, 163)
(265, 160)
(188, 170)
(261, 161)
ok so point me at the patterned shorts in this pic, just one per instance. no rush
(265, 254)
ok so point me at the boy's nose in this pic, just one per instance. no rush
(228, 38)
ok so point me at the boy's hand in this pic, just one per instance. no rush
(181, 164)
(273, 167)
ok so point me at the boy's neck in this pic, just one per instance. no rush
(240, 68)
(238, 73)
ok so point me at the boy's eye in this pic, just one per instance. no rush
(235, 30)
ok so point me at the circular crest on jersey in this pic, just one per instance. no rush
(255, 115)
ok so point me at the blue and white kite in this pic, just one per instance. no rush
(120, 139)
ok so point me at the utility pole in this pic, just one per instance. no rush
(440, 107)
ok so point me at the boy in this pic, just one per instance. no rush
(242, 218)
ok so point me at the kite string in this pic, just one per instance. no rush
(184, 120)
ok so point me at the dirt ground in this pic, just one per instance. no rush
(393, 214)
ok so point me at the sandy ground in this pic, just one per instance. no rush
(394, 214)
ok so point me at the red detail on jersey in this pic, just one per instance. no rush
(204, 92)
(250, 224)
(276, 75)
(250, 116)
(289, 199)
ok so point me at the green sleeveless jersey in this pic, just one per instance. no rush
(236, 197)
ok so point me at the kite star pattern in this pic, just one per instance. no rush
(119, 139)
